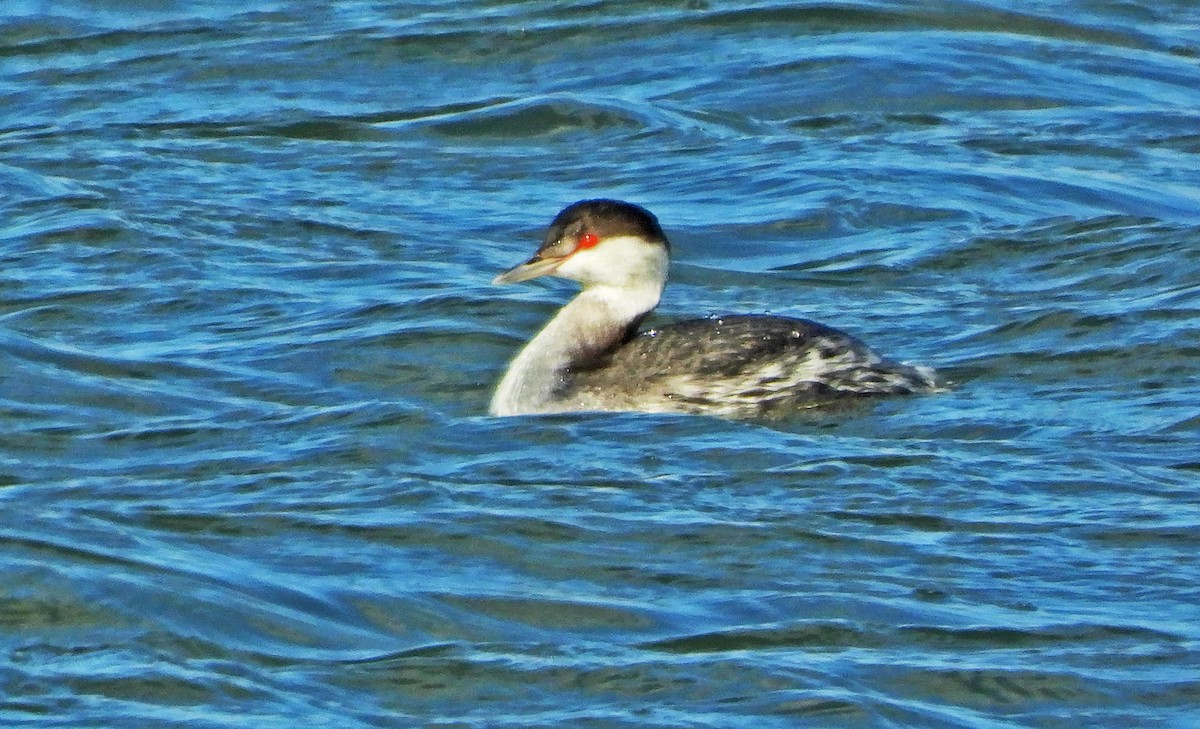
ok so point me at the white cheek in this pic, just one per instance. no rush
(593, 265)
(623, 261)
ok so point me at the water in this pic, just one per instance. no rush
(247, 340)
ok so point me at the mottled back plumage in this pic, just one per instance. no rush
(735, 366)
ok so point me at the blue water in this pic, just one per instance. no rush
(247, 341)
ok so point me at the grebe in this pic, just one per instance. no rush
(591, 356)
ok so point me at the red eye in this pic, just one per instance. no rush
(587, 240)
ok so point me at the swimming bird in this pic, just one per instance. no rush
(591, 356)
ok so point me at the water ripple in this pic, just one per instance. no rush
(247, 341)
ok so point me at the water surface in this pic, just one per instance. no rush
(247, 340)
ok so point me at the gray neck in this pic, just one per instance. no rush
(591, 324)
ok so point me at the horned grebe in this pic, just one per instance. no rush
(591, 356)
